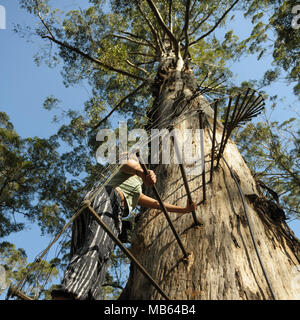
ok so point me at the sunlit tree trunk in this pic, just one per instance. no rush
(224, 263)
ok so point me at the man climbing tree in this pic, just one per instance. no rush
(243, 249)
(91, 246)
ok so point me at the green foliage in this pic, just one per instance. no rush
(51, 102)
(14, 262)
(275, 35)
(272, 149)
(33, 181)
(37, 274)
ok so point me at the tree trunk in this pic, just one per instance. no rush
(224, 263)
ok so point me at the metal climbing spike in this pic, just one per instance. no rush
(230, 125)
(202, 154)
(188, 192)
(244, 102)
(224, 131)
(213, 140)
(201, 90)
(249, 108)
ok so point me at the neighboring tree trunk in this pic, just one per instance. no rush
(224, 264)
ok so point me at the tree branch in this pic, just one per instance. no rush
(164, 26)
(136, 66)
(201, 22)
(41, 18)
(141, 54)
(292, 210)
(216, 25)
(155, 34)
(198, 25)
(186, 27)
(102, 64)
(147, 43)
(145, 62)
(170, 15)
(45, 25)
(4, 185)
(137, 37)
(288, 170)
(85, 55)
(193, 6)
(132, 93)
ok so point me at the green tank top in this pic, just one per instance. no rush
(130, 185)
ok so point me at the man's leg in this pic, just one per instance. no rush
(92, 248)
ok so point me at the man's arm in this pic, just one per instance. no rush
(149, 202)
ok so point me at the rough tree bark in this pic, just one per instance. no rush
(224, 264)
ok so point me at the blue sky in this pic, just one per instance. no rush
(24, 87)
